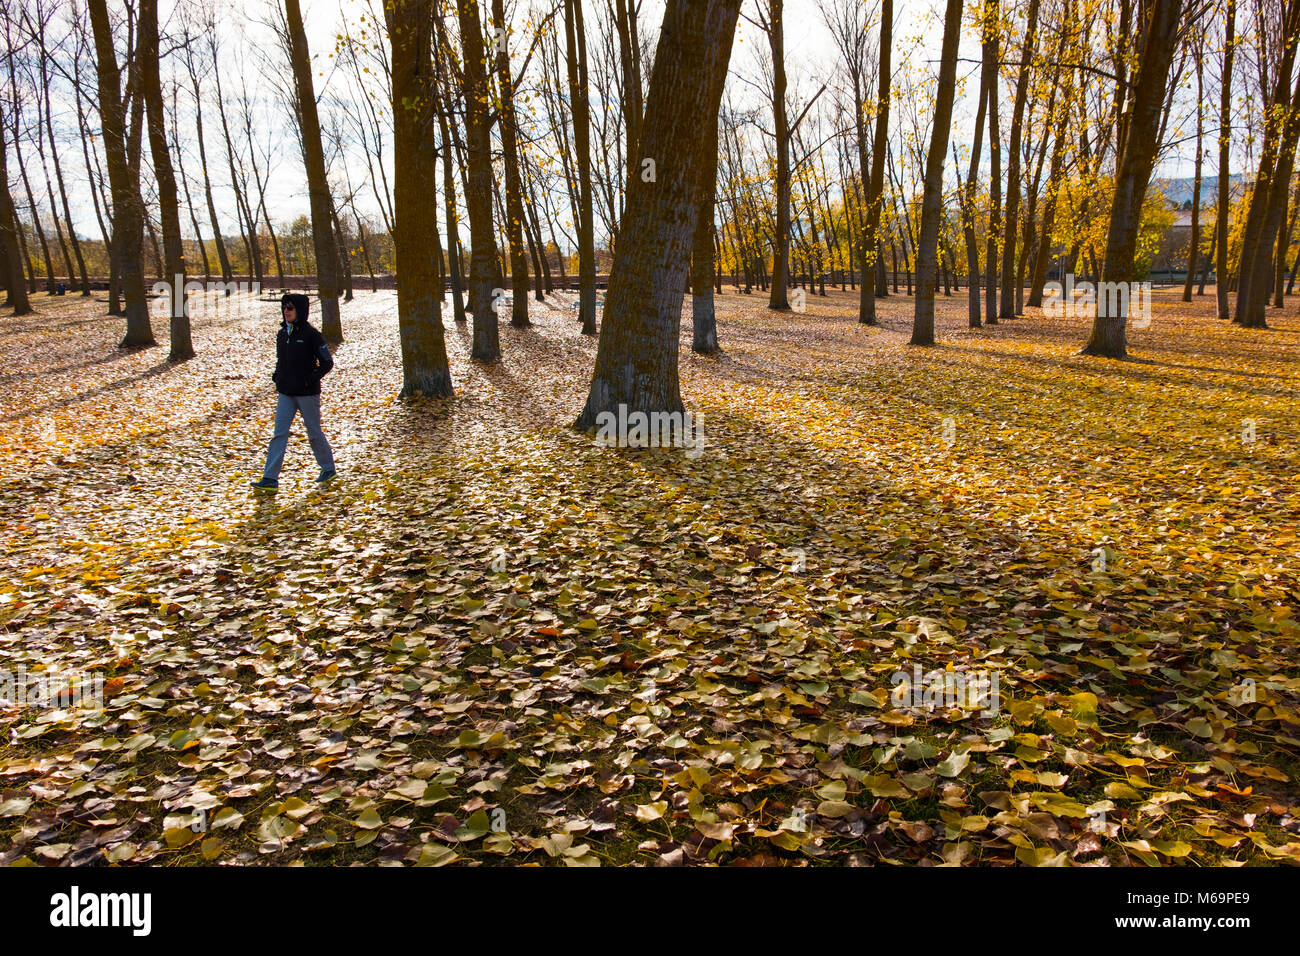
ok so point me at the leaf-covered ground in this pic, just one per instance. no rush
(681, 660)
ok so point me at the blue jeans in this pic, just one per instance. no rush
(285, 409)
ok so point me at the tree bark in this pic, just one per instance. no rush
(128, 216)
(1256, 241)
(1007, 309)
(1260, 266)
(454, 263)
(174, 268)
(704, 321)
(876, 188)
(318, 189)
(1133, 174)
(1194, 249)
(992, 42)
(10, 256)
(419, 294)
(779, 298)
(1223, 191)
(988, 70)
(514, 186)
(576, 63)
(932, 197)
(636, 358)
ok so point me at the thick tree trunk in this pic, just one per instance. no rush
(932, 198)
(128, 216)
(636, 359)
(1133, 174)
(415, 234)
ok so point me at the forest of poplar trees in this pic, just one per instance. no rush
(533, 131)
(764, 433)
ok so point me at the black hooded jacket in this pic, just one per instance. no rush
(301, 356)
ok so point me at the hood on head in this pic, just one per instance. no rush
(301, 304)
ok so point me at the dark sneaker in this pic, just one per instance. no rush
(325, 476)
(264, 485)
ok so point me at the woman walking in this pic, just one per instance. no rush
(301, 359)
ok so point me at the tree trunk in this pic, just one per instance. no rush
(932, 198)
(629, 54)
(1194, 250)
(415, 233)
(15, 282)
(514, 187)
(318, 189)
(247, 231)
(128, 216)
(1007, 308)
(36, 218)
(988, 68)
(781, 240)
(1256, 242)
(1223, 191)
(876, 187)
(576, 63)
(1133, 174)
(454, 261)
(704, 320)
(185, 186)
(636, 359)
(992, 42)
(1274, 220)
(1044, 253)
(174, 269)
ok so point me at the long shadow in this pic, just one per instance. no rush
(121, 383)
(1132, 370)
(115, 356)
